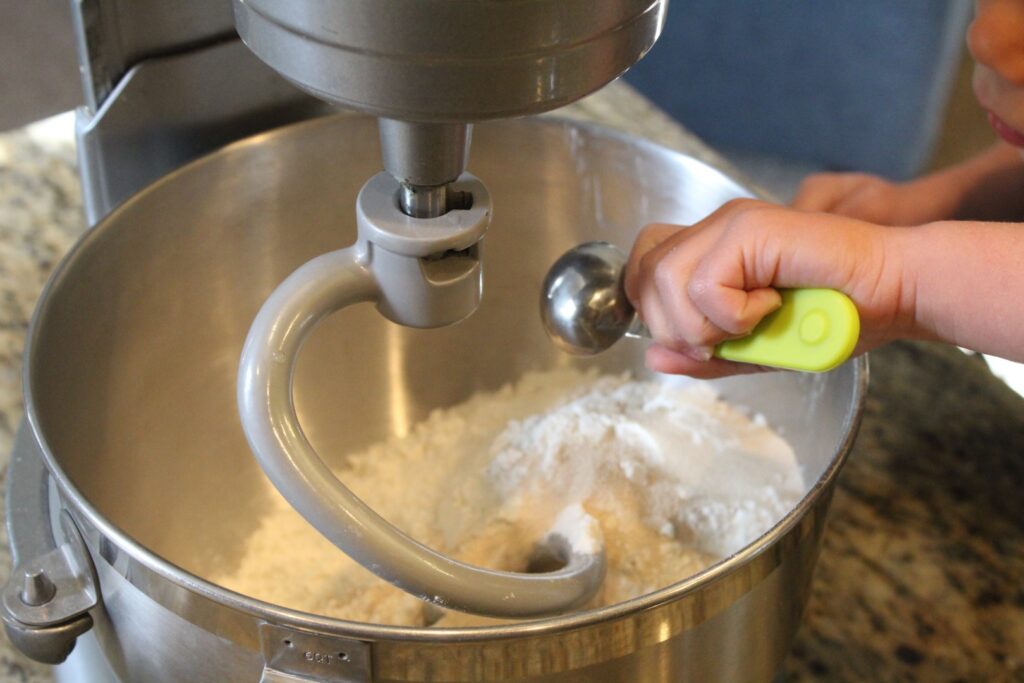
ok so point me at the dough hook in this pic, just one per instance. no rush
(421, 273)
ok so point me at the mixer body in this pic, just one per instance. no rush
(133, 429)
(449, 61)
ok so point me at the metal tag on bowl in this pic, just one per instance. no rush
(292, 656)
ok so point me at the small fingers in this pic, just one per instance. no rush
(671, 317)
(646, 242)
(734, 310)
(856, 195)
(661, 297)
(655, 283)
(821, 192)
(661, 359)
(679, 322)
(871, 201)
(682, 314)
(652, 235)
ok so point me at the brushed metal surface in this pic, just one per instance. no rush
(146, 128)
(428, 67)
(130, 394)
(115, 35)
(450, 60)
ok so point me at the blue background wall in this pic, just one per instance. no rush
(841, 84)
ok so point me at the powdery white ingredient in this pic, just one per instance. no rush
(668, 478)
(578, 529)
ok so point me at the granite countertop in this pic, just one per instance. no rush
(921, 577)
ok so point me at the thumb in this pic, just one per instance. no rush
(735, 310)
(651, 237)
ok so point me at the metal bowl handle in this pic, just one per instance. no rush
(46, 602)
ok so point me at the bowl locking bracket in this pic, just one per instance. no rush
(46, 602)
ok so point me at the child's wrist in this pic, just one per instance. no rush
(902, 247)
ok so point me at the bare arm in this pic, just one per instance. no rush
(965, 284)
(989, 187)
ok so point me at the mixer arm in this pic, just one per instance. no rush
(418, 274)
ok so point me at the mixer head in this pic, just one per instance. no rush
(428, 68)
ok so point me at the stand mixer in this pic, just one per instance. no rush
(89, 479)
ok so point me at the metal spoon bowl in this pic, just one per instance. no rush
(583, 303)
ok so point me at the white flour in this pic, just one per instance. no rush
(669, 479)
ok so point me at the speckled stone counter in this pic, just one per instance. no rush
(922, 573)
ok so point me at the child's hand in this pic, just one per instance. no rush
(874, 199)
(695, 287)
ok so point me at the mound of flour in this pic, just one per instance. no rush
(668, 478)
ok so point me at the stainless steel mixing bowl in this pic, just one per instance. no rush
(130, 381)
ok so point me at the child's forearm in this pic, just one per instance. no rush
(964, 284)
(987, 187)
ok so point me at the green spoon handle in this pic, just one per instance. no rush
(815, 330)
